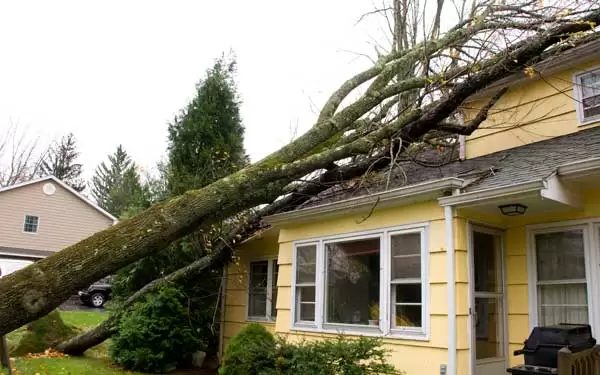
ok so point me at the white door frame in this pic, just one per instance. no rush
(483, 228)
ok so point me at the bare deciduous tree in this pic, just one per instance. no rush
(20, 156)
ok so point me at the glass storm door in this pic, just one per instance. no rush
(488, 341)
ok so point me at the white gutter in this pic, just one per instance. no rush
(500, 192)
(579, 168)
(449, 221)
(383, 199)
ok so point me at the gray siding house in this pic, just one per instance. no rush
(40, 217)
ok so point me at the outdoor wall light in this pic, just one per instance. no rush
(515, 209)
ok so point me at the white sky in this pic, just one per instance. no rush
(117, 71)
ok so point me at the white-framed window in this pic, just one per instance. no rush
(31, 224)
(587, 96)
(366, 283)
(559, 278)
(262, 290)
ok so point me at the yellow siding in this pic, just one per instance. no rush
(406, 355)
(535, 110)
(262, 247)
(411, 356)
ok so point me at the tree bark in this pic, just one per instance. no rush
(95, 336)
(34, 291)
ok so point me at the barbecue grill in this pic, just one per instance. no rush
(542, 346)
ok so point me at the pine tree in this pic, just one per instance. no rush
(206, 141)
(117, 186)
(60, 162)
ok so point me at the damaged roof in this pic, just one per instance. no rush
(522, 164)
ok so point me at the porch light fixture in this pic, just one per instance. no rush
(515, 209)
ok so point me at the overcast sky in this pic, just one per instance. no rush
(117, 71)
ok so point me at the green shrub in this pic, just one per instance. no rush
(43, 334)
(254, 351)
(250, 352)
(155, 336)
(340, 356)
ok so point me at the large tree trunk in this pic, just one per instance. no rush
(221, 253)
(36, 290)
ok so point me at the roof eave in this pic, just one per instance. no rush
(394, 197)
(492, 193)
(579, 168)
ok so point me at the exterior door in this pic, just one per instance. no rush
(488, 314)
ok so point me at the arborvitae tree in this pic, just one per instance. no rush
(116, 186)
(60, 161)
(206, 141)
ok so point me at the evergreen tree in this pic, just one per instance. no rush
(60, 161)
(117, 186)
(206, 141)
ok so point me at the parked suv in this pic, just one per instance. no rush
(98, 293)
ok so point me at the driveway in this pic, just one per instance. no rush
(75, 304)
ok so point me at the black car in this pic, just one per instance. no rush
(98, 293)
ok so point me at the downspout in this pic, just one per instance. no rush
(222, 319)
(449, 221)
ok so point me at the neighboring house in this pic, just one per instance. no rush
(40, 217)
(451, 266)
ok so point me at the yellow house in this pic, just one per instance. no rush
(451, 266)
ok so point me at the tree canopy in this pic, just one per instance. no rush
(206, 140)
(61, 162)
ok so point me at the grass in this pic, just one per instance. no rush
(95, 360)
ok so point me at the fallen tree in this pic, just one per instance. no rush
(221, 254)
(440, 89)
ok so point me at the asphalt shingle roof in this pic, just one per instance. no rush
(508, 167)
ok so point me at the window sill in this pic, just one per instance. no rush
(363, 331)
(256, 319)
(591, 121)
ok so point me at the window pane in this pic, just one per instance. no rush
(563, 304)
(305, 303)
(560, 256)
(590, 84)
(408, 316)
(489, 328)
(406, 244)
(486, 258)
(406, 255)
(258, 276)
(406, 268)
(306, 263)
(257, 305)
(592, 111)
(408, 293)
(353, 281)
(306, 294)
(307, 312)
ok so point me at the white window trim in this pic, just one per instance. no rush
(384, 329)
(578, 97)
(37, 227)
(272, 262)
(591, 243)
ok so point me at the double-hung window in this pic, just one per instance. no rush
(372, 283)
(587, 94)
(561, 283)
(262, 290)
(31, 224)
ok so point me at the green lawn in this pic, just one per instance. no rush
(95, 360)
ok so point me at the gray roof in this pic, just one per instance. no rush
(508, 167)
